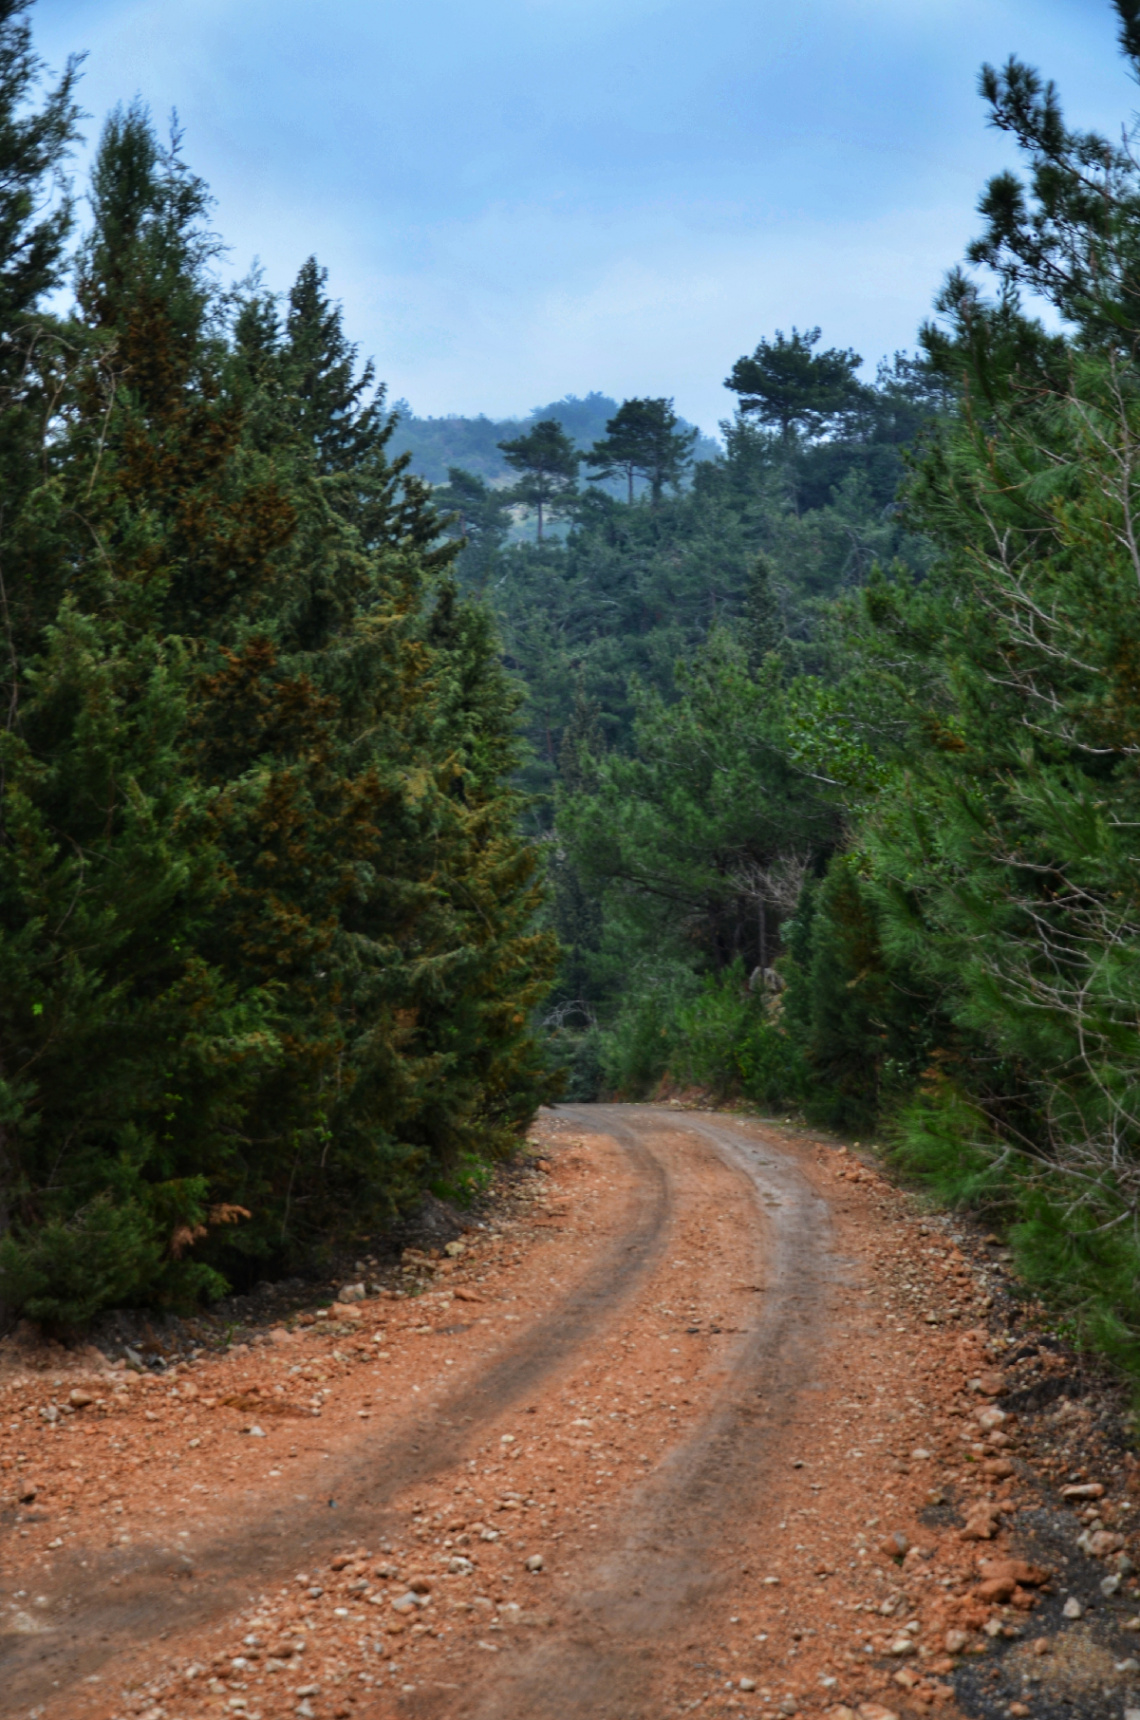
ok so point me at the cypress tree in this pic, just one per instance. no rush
(125, 1057)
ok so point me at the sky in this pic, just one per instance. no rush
(522, 199)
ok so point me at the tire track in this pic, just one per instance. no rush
(707, 1493)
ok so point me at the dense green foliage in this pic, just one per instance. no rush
(546, 463)
(266, 921)
(788, 386)
(634, 589)
(643, 440)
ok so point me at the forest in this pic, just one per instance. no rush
(350, 812)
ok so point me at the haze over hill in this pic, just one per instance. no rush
(435, 444)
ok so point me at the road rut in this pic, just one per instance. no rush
(709, 1492)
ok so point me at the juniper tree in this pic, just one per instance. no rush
(268, 905)
(36, 134)
(35, 194)
(126, 1057)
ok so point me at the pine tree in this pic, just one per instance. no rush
(1070, 229)
(787, 384)
(576, 913)
(480, 517)
(678, 834)
(642, 441)
(998, 859)
(548, 463)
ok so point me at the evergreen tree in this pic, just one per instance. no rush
(263, 893)
(338, 409)
(679, 835)
(548, 463)
(129, 1059)
(36, 135)
(481, 519)
(126, 1058)
(642, 441)
(994, 891)
(761, 624)
(1070, 229)
(576, 913)
(35, 201)
(787, 384)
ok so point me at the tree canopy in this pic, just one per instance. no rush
(267, 921)
(547, 463)
(787, 384)
(643, 440)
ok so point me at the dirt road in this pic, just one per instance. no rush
(691, 1429)
(698, 1511)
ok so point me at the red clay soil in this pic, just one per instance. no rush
(705, 1422)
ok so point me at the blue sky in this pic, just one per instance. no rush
(520, 199)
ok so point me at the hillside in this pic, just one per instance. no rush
(436, 444)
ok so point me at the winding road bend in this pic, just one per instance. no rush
(679, 1325)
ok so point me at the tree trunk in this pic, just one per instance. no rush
(540, 519)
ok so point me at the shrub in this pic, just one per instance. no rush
(65, 1271)
(730, 1042)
